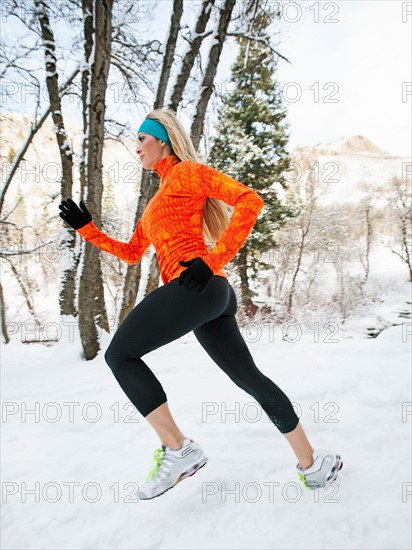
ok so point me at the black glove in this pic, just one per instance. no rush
(196, 277)
(73, 215)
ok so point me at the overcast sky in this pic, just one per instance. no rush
(368, 55)
(356, 53)
(348, 62)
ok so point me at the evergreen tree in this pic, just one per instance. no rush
(251, 144)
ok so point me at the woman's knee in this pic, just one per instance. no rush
(110, 357)
(116, 356)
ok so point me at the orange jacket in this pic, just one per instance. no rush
(172, 219)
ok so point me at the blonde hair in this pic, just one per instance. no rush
(215, 213)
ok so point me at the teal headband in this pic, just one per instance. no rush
(154, 128)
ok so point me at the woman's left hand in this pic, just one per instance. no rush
(197, 275)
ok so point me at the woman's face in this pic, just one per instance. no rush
(150, 150)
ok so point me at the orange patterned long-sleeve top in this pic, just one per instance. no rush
(173, 219)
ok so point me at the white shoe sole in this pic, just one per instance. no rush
(188, 473)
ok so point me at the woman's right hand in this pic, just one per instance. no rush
(73, 215)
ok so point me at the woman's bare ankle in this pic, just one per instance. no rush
(173, 444)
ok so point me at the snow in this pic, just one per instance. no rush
(71, 467)
(363, 383)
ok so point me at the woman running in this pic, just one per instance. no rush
(185, 213)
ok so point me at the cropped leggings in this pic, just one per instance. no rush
(168, 313)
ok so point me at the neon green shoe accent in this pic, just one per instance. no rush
(158, 457)
(303, 480)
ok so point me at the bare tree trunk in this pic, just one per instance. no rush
(87, 9)
(405, 257)
(368, 246)
(153, 280)
(400, 202)
(133, 272)
(241, 264)
(301, 249)
(150, 181)
(210, 73)
(4, 332)
(191, 54)
(169, 53)
(405, 245)
(67, 279)
(305, 222)
(25, 292)
(91, 292)
(52, 82)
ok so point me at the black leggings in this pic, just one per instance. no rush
(168, 313)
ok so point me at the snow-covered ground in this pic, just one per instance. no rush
(74, 450)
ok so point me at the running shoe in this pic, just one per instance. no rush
(323, 471)
(171, 467)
